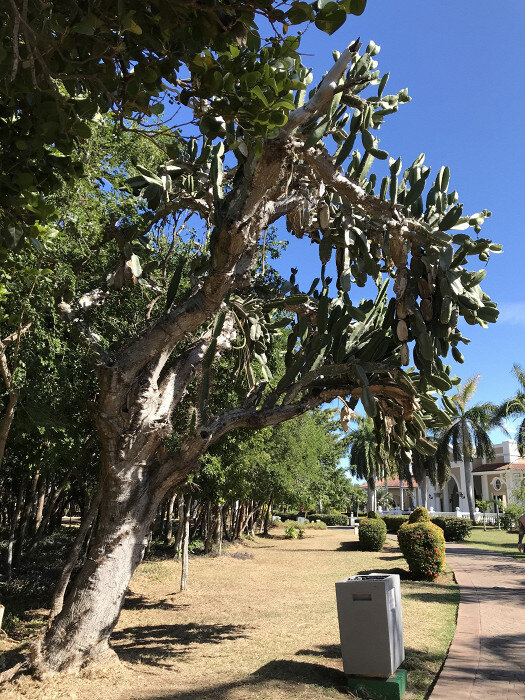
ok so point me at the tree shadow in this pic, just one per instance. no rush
(435, 594)
(422, 664)
(351, 546)
(279, 671)
(404, 575)
(158, 645)
(328, 651)
(134, 601)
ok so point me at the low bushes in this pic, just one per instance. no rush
(318, 526)
(509, 518)
(454, 529)
(423, 545)
(418, 514)
(294, 531)
(372, 533)
(329, 518)
(394, 522)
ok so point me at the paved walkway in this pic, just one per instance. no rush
(487, 655)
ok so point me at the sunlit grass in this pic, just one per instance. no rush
(495, 540)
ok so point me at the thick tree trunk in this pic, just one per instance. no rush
(424, 491)
(371, 501)
(185, 544)
(80, 633)
(60, 589)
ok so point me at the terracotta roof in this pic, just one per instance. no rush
(518, 465)
(391, 483)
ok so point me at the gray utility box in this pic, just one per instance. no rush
(370, 624)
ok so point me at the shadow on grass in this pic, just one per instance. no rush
(422, 665)
(436, 593)
(352, 546)
(279, 671)
(139, 602)
(328, 651)
(156, 645)
(404, 575)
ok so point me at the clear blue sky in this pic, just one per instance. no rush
(463, 65)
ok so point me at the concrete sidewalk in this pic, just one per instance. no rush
(487, 655)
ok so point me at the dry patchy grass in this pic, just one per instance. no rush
(263, 627)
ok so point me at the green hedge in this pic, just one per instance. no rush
(454, 529)
(372, 534)
(419, 514)
(329, 518)
(423, 546)
(394, 522)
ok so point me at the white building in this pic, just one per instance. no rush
(494, 481)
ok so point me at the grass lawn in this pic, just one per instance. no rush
(495, 540)
(259, 622)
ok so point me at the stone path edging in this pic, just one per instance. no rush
(487, 656)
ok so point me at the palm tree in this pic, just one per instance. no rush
(368, 457)
(467, 433)
(515, 407)
(435, 467)
(384, 498)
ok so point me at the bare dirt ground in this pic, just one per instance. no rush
(259, 622)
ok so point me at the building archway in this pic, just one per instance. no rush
(451, 495)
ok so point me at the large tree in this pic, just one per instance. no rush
(467, 434)
(369, 456)
(64, 63)
(266, 151)
(515, 408)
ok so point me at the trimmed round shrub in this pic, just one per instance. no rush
(420, 514)
(372, 514)
(329, 518)
(423, 546)
(394, 522)
(454, 529)
(372, 534)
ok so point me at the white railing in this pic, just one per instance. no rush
(490, 518)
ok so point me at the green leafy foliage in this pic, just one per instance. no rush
(454, 529)
(330, 519)
(372, 534)
(509, 519)
(419, 514)
(63, 65)
(423, 546)
(394, 522)
(293, 532)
